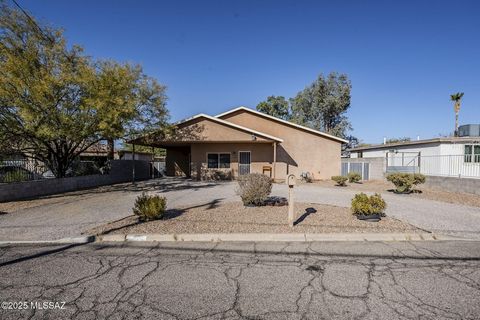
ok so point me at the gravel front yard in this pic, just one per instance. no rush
(233, 217)
(422, 192)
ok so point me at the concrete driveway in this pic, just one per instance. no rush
(69, 214)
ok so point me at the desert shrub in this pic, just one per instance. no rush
(254, 188)
(354, 177)
(216, 175)
(418, 179)
(404, 182)
(362, 204)
(149, 207)
(340, 180)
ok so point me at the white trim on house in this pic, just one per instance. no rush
(284, 122)
(227, 123)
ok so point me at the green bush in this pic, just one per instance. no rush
(404, 182)
(254, 188)
(340, 180)
(149, 207)
(365, 205)
(354, 177)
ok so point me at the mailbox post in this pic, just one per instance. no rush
(291, 183)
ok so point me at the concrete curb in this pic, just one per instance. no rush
(273, 237)
(76, 240)
(245, 237)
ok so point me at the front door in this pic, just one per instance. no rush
(244, 162)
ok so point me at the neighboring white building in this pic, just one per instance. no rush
(454, 157)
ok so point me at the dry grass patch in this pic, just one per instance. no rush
(233, 217)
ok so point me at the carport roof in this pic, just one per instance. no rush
(143, 140)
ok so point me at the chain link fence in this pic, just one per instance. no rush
(19, 170)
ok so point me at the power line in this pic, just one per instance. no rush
(33, 22)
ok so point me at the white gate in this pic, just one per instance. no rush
(406, 162)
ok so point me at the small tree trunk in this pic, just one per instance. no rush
(456, 124)
(111, 149)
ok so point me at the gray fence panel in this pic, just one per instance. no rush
(356, 167)
(366, 171)
(362, 168)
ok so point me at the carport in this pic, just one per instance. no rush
(205, 147)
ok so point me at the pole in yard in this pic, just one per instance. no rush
(291, 183)
(133, 163)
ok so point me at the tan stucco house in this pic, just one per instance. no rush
(242, 141)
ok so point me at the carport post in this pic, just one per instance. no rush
(133, 163)
(274, 159)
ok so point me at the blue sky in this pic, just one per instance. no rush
(404, 58)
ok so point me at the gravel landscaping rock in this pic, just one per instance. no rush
(421, 192)
(233, 217)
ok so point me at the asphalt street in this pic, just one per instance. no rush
(318, 280)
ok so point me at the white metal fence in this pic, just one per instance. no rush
(459, 166)
(363, 168)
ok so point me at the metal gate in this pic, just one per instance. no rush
(244, 162)
(405, 162)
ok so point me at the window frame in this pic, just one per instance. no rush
(219, 165)
(472, 156)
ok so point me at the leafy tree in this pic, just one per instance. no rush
(275, 106)
(129, 102)
(323, 104)
(353, 142)
(456, 98)
(55, 101)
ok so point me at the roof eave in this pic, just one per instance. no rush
(233, 125)
(326, 135)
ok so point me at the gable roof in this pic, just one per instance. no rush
(229, 124)
(261, 114)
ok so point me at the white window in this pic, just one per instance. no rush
(472, 153)
(218, 160)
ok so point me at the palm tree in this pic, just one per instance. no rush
(456, 97)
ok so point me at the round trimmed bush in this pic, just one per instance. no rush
(404, 182)
(362, 204)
